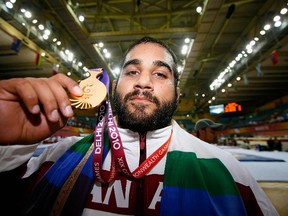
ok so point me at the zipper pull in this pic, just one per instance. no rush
(142, 143)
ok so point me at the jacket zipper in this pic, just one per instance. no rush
(139, 205)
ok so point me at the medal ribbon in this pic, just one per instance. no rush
(99, 147)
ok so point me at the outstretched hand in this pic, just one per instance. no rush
(32, 109)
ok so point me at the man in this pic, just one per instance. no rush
(206, 130)
(142, 164)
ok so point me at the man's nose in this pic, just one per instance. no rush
(144, 81)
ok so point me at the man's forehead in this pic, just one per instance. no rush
(135, 53)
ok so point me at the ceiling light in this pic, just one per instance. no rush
(267, 27)
(231, 64)
(252, 43)
(107, 55)
(47, 32)
(278, 24)
(283, 11)
(248, 47)
(41, 27)
(249, 51)
(28, 14)
(276, 18)
(221, 75)
(70, 56)
(262, 32)
(9, 5)
(81, 18)
(187, 40)
(199, 8)
(184, 49)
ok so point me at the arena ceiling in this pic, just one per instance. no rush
(219, 36)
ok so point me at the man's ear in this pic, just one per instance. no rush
(114, 84)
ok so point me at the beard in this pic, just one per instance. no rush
(139, 120)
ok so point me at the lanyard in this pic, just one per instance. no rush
(118, 158)
(99, 147)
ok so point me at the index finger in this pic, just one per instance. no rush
(69, 84)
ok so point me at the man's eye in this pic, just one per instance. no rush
(130, 73)
(160, 75)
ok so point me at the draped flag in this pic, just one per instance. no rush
(245, 79)
(274, 57)
(38, 59)
(16, 44)
(179, 194)
(258, 69)
(235, 87)
(55, 69)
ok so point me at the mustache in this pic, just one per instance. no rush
(146, 94)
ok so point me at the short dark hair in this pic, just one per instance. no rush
(148, 39)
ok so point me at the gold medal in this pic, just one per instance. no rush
(94, 92)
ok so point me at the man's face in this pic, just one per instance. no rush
(210, 135)
(145, 97)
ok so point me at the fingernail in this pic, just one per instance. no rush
(77, 90)
(54, 115)
(35, 109)
(68, 111)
